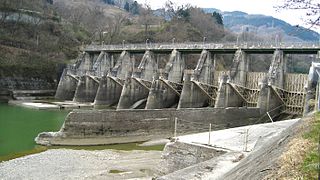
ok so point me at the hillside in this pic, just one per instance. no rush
(264, 26)
(34, 44)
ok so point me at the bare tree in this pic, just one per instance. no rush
(113, 27)
(206, 24)
(311, 8)
(146, 18)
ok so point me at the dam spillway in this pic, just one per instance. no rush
(158, 80)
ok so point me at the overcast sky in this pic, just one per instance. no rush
(265, 7)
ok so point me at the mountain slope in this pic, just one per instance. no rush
(262, 25)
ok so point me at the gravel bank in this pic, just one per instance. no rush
(82, 164)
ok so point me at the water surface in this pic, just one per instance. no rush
(19, 126)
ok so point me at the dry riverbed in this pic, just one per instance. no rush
(83, 164)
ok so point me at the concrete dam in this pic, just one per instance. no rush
(156, 93)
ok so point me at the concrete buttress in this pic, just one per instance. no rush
(136, 88)
(269, 98)
(67, 86)
(110, 87)
(239, 69)
(166, 87)
(192, 95)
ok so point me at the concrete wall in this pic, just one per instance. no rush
(123, 126)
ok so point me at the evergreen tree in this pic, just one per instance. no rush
(218, 18)
(127, 6)
(134, 9)
(183, 12)
(109, 2)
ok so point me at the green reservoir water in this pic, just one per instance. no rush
(19, 126)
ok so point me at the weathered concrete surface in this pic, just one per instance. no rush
(179, 155)
(87, 89)
(103, 65)
(205, 68)
(124, 66)
(81, 164)
(175, 67)
(311, 103)
(132, 92)
(237, 155)
(277, 70)
(191, 95)
(85, 63)
(107, 127)
(239, 69)
(161, 96)
(67, 86)
(108, 93)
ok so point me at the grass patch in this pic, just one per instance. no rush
(311, 162)
(115, 171)
(124, 147)
(36, 150)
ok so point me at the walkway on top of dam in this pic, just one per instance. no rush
(195, 47)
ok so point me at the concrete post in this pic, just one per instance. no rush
(185, 98)
(263, 100)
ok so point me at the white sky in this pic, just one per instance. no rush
(265, 7)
